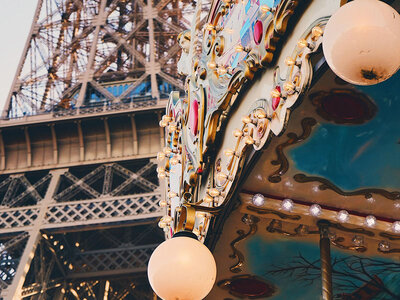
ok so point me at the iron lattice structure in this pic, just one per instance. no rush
(78, 139)
(77, 45)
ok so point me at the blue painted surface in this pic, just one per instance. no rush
(357, 156)
(264, 255)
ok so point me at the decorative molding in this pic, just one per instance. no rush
(252, 222)
(327, 185)
(307, 124)
(264, 211)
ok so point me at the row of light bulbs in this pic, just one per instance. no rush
(315, 210)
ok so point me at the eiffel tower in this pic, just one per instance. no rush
(79, 136)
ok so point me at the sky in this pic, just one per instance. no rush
(15, 22)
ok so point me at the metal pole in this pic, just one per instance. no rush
(325, 253)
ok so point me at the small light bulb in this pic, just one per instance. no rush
(246, 119)
(61, 247)
(265, 8)
(302, 43)
(258, 200)
(162, 203)
(221, 71)
(209, 26)
(214, 192)
(174, 160)
(396, 227)
(370, 221)
(161, 175)
(260, 114)
(172, 127)
(166, 118)
(317, 32)
(172, 194)
(229, 152)
(162, 224)
(163, 124)
(287, 204)
(208, 199)
(384, 246)
(167, 219)
(275, 93)
(160, 169)
(249, 140)
(315, 210)
(343, 216)
(237, 133)
(239, 48)
(290, 61)
(288, 86)
(160, 156)
(211, 64)
(167, 150)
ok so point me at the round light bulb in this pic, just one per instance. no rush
(275, 93)
(287, 204)
(182, 268)
(174, 160)
(370, 221)
(302, 43)
(162, 224)
(160, 156)
(288, 86)
(167, 219)
(361, 42)
(172, 127)
(260, 114)
(163, 123)
(162, 203)
(396, 227)
(343, 216)
(221, 71)
(211, 64)
(246, 119)
(161, 175)
(214, 192)
(315, 210)
(167, 150)
(237, 133)
(317, 32)
(258, 200)
(172, 194)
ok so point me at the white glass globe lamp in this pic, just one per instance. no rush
(361, 42)
(182, 268)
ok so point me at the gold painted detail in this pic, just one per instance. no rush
(252, 222)
(265, 211)
(338, 242)
(307, 125)
(327, 185)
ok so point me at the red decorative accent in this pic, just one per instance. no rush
(258, 32)
(193, 117)
(344, 107)
(199, 171)
(251, 287)
(276, 100)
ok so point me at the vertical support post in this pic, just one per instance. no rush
(162, 131)
(325, 253)
(14, 290)
(154, 86)
(134, 135)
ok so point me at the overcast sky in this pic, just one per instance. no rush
(15, 22)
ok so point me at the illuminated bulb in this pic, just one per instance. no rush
(260, 114)
(163, 124)
(396, 227)
(172, 194)
(211, 64)
(76, 244)
(397, 204)
(214, 192)
(161, 175)
(315, 210)
(229, 152)
(221, 71)
(162, 224)
(237, 133)
(167, 150)
(208, 199)
(302, 43)
(162, 203)
(265, 8)
(160, 156)
(317, 32)
(70, 266)
(290, 61)
(258, 200)
(61, 247)
(289, 86)
(370, 221)
(239, 48)
(160, 170)
(287, 204)
(249, 140)
(246, 119)
(172, 127)
(371, 199)
(343, 216)
(167, 219)
(166, 118)
(275, 93)
(209, 26)
(174, 160)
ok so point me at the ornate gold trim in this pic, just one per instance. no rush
(264, 211)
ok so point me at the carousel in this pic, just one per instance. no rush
(281, 166)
